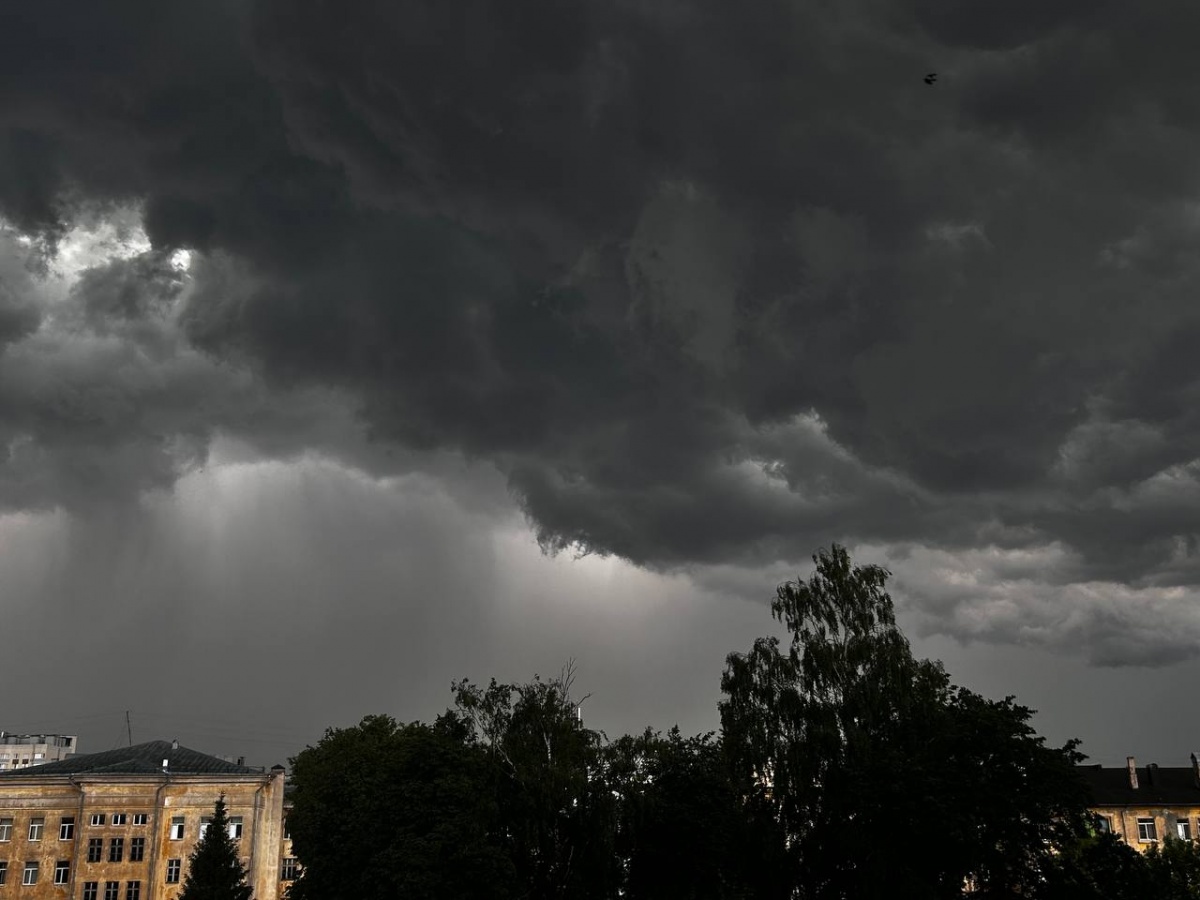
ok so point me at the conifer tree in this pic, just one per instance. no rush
(214, 870)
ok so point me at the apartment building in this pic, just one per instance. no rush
(19, 751)
(1144, 804)
(121, 824)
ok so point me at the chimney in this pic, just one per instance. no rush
(241, 761)
(175, 745)
(1131, 765)
(164, 765)
(1152, 774)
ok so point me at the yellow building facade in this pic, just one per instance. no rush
(121, 825)
(1144, 804)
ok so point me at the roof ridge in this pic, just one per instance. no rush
(147, 756)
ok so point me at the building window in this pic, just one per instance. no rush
(1183, 829)
(97, 818)
(35, 828)
(287, 830)
(95, 849)
(31, 873)
(3, 872)
(62, 871)
(139, 818)
(1146, 830)
(66, 828)
(235, 827)
(119, 818)
(287, 871)
(137, 849)
(90, 889)
(116, 849)
(6, 829)
(112, 890)
(204, 826)
(133, 890)
(1103, 824)
(177, 828)
(173, 871)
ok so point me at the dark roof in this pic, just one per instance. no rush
(144, 758)
(1157, 786)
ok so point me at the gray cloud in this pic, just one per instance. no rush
(707, 286)
(287, 597)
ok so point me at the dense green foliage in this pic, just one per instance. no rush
(1102, 867)
(845, 768)
(557, 813)
(214, 870)
(386, 810)
(685, 829)
(1099, 867)
(501, 797)
(887, 779)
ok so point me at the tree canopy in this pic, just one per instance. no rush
(545, 768)
(1100, 866)
(886, 778)
(384, 810)
(845, 768)
(685, 829)
(501, 797)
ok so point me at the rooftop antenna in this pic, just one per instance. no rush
(128, 728)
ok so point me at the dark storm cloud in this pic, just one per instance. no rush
(706, 282)
(19, 314)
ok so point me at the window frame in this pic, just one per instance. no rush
(6, 827)
(1146, 825)
(137, 849)
(116, 850)
(1183, 829)
(178, 828)
(119, 819)
(112, 890)
(37, 826)
(289, 868)
(174, 869)
(95, 850)
(133, 890)
(31, 865)
(66, 828)
(236, 824)
(140, 819)
(98, 820)
(62, 871)
(91, 890)
(3, 872)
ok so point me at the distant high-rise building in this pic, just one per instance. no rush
(18, 751)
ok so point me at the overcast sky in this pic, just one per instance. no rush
(347, 349)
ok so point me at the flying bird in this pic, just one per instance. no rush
(931, 78)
